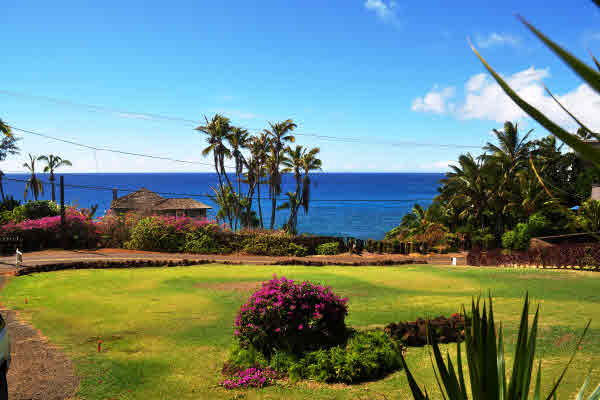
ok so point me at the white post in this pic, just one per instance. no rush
(19, 258)
(453, 260)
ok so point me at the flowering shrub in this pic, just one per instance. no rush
(292, 317)
(271, 244)
(115, 230)
(251, 377)
(163, 233)
(46, 232)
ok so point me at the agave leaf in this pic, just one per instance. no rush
(531, 352)
(595, 394)
(595, 61)
(553, 392)
(490, 355)
(515, 387)
(594, 134)
(538, 383)
(414, 387)
(459, 366)
(585, 149)
(586, 73)
(583, 388)
(439, 362)
(501, 366)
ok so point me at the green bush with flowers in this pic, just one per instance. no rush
(298, 329)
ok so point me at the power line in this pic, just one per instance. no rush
(106, 188)
(113, 150)
(198, 122)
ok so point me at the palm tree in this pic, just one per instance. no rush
(258, 148)
(238, 139)
(8, 145)
(33, 182)
(513, 150)
(309, 163)
(52, 163)
(279, 135)
(217, 130)
(467, 183)
(5, 129)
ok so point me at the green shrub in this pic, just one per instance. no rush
(39, 209)
(326, 249)
(152, 233)
(241, 358)
(9, 203)
(200, 241)
(366, 356)
(508, 239)
(297, 250)
(265, 244)
(6, 217)
(538, 225)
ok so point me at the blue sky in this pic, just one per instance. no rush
(377, 70)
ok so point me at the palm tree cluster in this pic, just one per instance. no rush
(34, 183)
(513, 179)
(260, 161)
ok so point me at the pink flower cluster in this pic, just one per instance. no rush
(283, 314)
(184, 223)
(72, 217)
(251, 377)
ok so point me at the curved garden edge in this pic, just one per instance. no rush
(40, 370)
(147, 263)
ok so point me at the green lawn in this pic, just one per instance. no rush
(167, 331)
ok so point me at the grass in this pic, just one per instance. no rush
(167, 331)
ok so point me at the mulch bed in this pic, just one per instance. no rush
(38, 370)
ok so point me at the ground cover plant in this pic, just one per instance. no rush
(167, 332)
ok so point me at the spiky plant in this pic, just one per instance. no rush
(486, 364)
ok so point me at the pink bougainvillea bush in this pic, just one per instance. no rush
(292, 317)
(43, 233)
(251, 377)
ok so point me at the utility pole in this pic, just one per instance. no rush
(62, 209)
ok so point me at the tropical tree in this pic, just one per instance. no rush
(217, 130)
(5, 129)
(8, 145)
(33, 182)
(279, 136)
(52, 163)
(259, 146)
(238, 139)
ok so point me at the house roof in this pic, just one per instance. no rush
(138, 200)
(180, 204)
(144, 199)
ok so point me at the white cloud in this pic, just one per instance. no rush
(485, 100)
(135, 116)
(385, 10)
(497, 39)
(436, 101)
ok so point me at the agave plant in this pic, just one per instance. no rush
(486, 363)
(585, 72)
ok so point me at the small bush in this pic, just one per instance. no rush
(366, 356)
(291, 317)
(271, 244)
(152, 233)
(508, 239)
(297, 250)
(9, 203)
(325, 249)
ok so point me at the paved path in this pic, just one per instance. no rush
(7, 264)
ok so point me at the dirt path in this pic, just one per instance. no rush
(39, 370)
(60, 256)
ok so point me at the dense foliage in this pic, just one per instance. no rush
(331, 248)
(366, 356)
(292, 317)
(518, 188)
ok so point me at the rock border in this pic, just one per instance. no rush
(118, 264)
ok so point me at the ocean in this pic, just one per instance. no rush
(361, 205)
